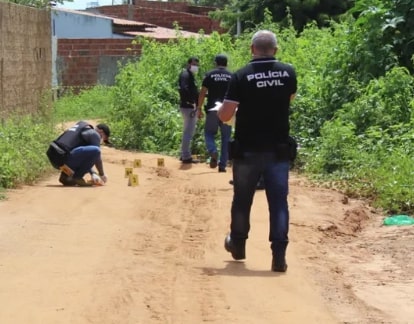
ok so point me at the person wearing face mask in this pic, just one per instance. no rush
(188, 91)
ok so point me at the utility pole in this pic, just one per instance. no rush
(130, 12)
(238, 24)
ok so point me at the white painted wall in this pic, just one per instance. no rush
(67, 24)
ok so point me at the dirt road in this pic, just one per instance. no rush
(153, 253)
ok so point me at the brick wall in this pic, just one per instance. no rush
(192, 22)
(175, 6)
(86, 62)
(25, 58)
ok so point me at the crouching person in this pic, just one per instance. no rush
(76, 151)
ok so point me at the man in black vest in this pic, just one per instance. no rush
(261, 91)
(214, 86)
(77, 151)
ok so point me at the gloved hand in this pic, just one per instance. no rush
(104, 178)
(97, 180)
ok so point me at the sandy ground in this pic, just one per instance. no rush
(153, 253)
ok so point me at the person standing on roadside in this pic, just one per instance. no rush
(261, 91)
(188, 105)
(214, 85)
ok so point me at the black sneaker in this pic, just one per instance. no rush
(82, 183)
(237, 250)
(213, 160)
(221, 169)
(189, 161)
(278, 264)
(66, 180)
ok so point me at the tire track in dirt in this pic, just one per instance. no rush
(365, 260)
(175, 244)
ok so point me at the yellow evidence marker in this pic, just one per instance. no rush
(128, 172)
(137, 163)
(160, 162)
(133, 180)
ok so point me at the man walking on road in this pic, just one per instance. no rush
(188, 105)
(214, 85)
(261, 91)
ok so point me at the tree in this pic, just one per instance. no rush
(251, 12)
(38, 3)
(387, 27)
(212, 3)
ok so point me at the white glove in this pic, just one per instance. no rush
(104, 178)
(97, 180)
(216, 107)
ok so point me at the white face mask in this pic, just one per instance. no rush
(194, 69)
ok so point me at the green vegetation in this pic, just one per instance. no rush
(23, 141)
(38, 3)
(353, 114)
(93, 103)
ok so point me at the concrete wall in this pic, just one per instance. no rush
(71, 25)
(25, 58)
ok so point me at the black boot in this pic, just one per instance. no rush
(279, 256)
(236, 248)
(279, 263)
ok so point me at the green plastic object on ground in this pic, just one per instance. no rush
(399, 220)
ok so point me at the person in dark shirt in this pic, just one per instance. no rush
(261, 91)
(76, 151)
(214, 85)
(188, 105)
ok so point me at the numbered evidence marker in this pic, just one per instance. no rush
(128, 172)
(133, 180)
(137, 163)
(160, 162)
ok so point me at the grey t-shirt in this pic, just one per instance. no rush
(91, 137)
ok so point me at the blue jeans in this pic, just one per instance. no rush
(189, 126)
(82, 159)
(246, 173)
(210, 131)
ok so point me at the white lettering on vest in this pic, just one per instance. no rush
(269, 83)
(268, 79)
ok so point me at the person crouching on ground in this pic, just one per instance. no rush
(76, 151)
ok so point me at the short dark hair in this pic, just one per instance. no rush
(221, 60)
(193, 59)
(104, 128)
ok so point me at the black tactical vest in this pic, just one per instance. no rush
(72, 137)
